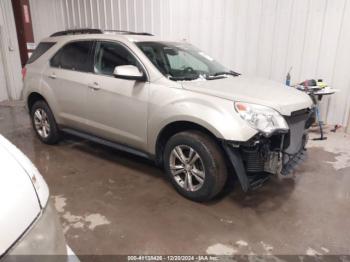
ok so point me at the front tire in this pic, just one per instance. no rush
(44, 123)
(195, 165)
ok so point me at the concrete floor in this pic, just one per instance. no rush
(113, 203)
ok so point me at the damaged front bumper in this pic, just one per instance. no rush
(278, 154)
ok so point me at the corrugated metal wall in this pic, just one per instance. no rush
(10, 64)
(47, 17)
(256, 37)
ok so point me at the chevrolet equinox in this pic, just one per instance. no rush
(169, 102)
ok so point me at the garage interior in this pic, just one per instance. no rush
(113, 203)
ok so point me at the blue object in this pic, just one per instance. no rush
(288, 79)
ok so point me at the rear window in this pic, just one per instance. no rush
(74, 56)
(40, 50)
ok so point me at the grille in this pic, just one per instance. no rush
(254, 159)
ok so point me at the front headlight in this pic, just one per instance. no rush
(262, 118)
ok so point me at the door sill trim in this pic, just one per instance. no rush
(107, 143)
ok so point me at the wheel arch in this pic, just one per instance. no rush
(175, 127)
(32, 98)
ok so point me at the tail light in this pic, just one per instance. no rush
(24, 73)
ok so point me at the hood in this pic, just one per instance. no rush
(282, 98)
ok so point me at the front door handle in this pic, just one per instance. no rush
(52, 76)
(94, 86)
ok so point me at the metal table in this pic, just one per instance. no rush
(316, 93)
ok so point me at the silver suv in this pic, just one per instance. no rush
(169, 102)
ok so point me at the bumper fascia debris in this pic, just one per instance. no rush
(279, 154)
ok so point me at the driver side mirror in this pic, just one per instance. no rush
(129, 72)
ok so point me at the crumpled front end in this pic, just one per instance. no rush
(278, 154)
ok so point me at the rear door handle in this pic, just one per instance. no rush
(52, 76)
(94, 86)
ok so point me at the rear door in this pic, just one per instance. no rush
(69, 75)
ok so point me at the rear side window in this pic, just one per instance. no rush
(74, 56)
(40, 50)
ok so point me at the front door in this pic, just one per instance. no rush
(117, 108)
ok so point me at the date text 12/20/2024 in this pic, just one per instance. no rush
(173, 258)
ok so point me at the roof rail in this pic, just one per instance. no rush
(78, 32)
(128, 32)
(96, 31)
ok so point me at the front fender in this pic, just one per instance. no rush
(217, 115)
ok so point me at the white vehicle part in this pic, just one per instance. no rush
(18, 200)
(255, 91)
(44, 237)
(39, 183)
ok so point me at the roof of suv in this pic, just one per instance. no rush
(99, 34)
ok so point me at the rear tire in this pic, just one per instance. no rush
(44, 123)
(195, 165)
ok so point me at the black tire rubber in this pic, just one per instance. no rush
(54, 135)
(213, 161)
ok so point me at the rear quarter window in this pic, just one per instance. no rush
(40, 50)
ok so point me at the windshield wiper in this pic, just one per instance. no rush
(232, 73)
(183, 78)
(212, 77)
(217, 75)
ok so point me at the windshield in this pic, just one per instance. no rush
(182, 61)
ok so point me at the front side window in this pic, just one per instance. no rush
(182, 61)
(74, 56)
(108, 55)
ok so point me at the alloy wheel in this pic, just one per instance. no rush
(41, 123)
(187, 168)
